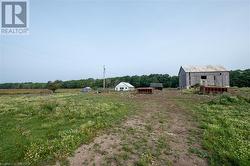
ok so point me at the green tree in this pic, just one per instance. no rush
(54, 85)
(240, 78)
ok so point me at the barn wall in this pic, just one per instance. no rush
(188, 80)
(182, 78)
(213, 78)
(226, 80)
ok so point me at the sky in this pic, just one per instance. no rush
(73, 39)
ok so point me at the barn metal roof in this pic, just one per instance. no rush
(208, 68)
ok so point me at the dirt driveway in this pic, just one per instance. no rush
(158, 134)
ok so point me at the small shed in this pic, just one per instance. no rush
(124, 86)
(86, 89)
(146, 90)
(158, 86)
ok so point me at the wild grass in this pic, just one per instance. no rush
(24, 91)
(77, 90)
(37, 130)
(241, 92)
(190, 91)
(226, 129)
(36, 91)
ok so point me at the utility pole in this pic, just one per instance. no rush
(104, 74)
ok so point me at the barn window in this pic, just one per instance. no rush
(203, 77)
(214, 78)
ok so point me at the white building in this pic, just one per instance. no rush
(124, 86)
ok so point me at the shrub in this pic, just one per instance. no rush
(226, 99)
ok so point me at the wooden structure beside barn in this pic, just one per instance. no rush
(211, 89)
(146, 90)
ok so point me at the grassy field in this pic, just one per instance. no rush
(224, 121)
(226, 125)
(24, 91)
(37, 129)
(35, 91)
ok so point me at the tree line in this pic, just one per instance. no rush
(239, 78)
(137, 81)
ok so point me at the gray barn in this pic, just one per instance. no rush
(203, 75)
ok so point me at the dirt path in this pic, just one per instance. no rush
(157, 135)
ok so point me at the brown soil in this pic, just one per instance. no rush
(157, 134)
